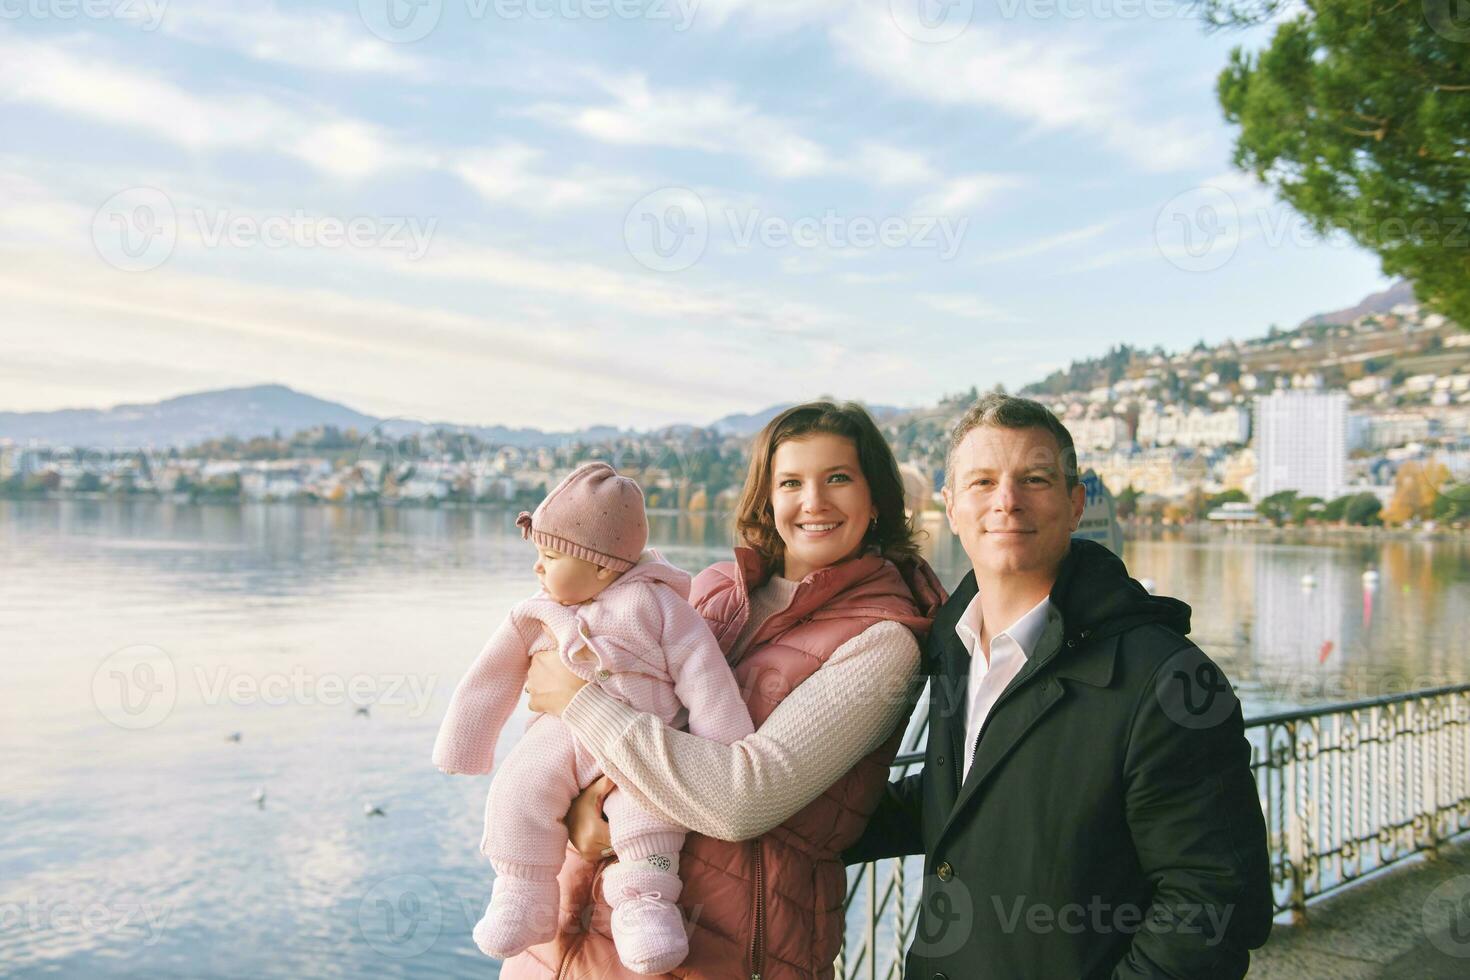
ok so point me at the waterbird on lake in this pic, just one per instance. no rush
(362, 709)
(259, 797)
(369, 810)
(1309, 581)
(232, 737)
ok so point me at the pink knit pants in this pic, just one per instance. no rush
(530, 794)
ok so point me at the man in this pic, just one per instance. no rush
(1086, 807)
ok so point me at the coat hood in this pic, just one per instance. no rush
(1096, 596)
(654, 569)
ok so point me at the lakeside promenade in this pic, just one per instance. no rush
(1412, 922)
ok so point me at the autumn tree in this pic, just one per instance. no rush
(1415, 488)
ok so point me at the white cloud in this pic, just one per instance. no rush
(712, 120)
(1047, 244)
(887, 164)
(319, 40)
(1052, 84)
(966, 193)
(506, 174)
(965, 305)
(75, 78)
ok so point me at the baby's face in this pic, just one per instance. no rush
(569, 580)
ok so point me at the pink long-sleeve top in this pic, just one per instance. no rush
(639, 640)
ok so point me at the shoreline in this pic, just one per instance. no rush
(1132, 529)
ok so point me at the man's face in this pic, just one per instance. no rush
(1007, 501)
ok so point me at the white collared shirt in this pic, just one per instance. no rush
(1009, 651)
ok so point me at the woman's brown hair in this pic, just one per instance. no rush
(755, 523)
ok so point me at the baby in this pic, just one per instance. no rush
(620, 617)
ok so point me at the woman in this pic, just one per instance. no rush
(819, 616)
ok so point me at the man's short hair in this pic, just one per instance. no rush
(1002, 411)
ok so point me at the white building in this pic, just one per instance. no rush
(1104, 432)
(1397, 429)
(1368, 387)
(1301, 443)
(1195, 428)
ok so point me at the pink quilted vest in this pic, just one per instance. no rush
(771, 907)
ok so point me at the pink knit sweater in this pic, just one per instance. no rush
(639, 640)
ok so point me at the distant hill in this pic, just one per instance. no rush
(259, 410)
(1400, 292)
(255, 411)
(262, 410)
(749, 424)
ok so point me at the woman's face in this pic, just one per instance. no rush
(821, 501)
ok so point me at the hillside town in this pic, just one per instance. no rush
(1360, 421)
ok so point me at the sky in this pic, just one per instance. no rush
(559, 213)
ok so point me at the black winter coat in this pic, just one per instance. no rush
(1109, 826)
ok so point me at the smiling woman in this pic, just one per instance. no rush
(823, 484)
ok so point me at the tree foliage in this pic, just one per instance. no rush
(1358, 113)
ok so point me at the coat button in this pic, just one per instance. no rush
(944, 871)
(940, 976)
(603, 675)
(939, 761)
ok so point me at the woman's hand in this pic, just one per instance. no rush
(550, 684)
(586, 826)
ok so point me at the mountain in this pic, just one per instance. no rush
(255, 411)
(259, 410)
(262, 410)
(749, 424)
(1400, 292)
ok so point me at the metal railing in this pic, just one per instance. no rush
(1347, 790)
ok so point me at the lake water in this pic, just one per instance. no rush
(141, 636)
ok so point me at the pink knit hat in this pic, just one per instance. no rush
(593, 514)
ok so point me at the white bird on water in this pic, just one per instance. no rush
(362, 709)
(1309, 581)
(259, 797)
(232, 737)
(369, 810)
